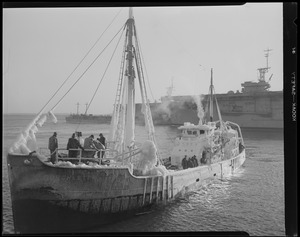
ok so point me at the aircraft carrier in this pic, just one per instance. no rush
(254, 107)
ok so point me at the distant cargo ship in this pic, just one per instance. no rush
(254, 107)
(88, 118)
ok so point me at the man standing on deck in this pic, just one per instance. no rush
(53, 145)
(80, 139)
(102, 141)
(89, 145)
(184, 163)
(73, 143)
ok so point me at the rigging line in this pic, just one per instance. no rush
(88, 68)
(105, 71)
(140, 49)
(142, 74)
(79, 63)
(120, 81)
(143, 86)
(206, 106)
(218, 111)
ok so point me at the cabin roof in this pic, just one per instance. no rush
(193, 126)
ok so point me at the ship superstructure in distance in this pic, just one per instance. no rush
(254, 107)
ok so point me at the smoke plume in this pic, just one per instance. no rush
(200, 111)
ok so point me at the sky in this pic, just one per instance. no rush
(42, 46)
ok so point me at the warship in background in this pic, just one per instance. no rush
(88, 118)
(254, 107)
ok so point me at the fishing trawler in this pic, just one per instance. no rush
(72, 194)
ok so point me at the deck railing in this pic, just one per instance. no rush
(109, 154)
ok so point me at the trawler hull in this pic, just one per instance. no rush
(49, 199)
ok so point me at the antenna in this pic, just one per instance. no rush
(267, 56)
(263, 71)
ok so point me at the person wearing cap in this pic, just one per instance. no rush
(89, 144)
(73, 143)
(101, 139)
(184, 162)
(52, 146)
(80, 139)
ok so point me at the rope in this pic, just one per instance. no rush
(78, 64)
(152, 133)
(105, 71)
(140, 50)
(102, 76)
(87, 68)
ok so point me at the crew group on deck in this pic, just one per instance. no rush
(90, 147)
(192, 162)
(189, 162)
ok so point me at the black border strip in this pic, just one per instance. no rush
(290, 74)
(290, 119)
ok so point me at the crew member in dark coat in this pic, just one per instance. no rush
(184, 163)
(89, 144)
(52, 146)
(73, 143)
(203, 159)
(195, 161)
(101, 139)
(190, 163)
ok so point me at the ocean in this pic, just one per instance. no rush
(252, 200)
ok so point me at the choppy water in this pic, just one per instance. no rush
(252, 200)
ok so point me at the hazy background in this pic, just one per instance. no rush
(41, 47)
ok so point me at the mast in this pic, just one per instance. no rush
(267, 57)
(263, 71)
(170, 89)
(130, 113)
(77, 108)
(211, 96)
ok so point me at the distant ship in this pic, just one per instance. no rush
(254, 107)
(88, 118)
